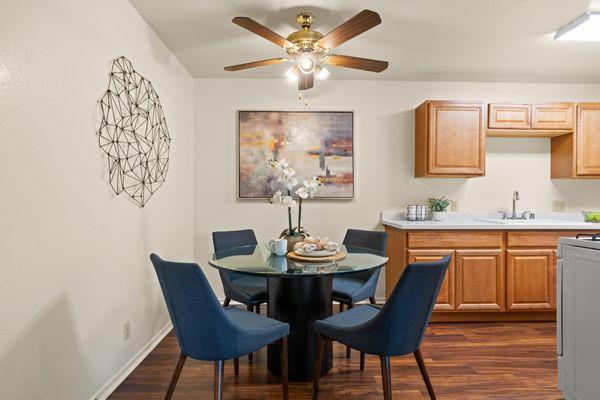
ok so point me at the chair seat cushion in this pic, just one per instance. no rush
(250, 290)
(344, 288)
(256, 331)
(343, 326)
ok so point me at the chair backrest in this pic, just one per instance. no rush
(405, 315)
(201, 326)
(228, 239)
(225, 240)
(374, 240)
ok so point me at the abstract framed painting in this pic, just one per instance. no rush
(314, 143)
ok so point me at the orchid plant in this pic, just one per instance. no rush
(285, 196)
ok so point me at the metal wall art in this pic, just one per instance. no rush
(133, 134)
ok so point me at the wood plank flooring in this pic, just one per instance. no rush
(496, 361)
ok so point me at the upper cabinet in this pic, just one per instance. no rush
(552, 116)
(450, 136)
(450, 139)
(530, 120)
(578, 155)
(509, 116)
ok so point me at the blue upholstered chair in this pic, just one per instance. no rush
(207, 331)
(248, 290)
(352, 288)
(395, 329)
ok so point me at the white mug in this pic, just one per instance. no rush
(277, 246)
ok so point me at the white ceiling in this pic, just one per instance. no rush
(458, 40)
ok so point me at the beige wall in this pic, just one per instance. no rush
(384, 148)
(74, 260)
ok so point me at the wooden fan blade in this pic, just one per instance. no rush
(365, 64)
(261, 30)
(356, 25)
(254, 64)
(306, 81)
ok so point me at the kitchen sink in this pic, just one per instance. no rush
(524, 221)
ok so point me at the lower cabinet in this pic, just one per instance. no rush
(479, 280)
(493, 275)
(531, 279)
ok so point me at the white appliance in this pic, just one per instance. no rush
(578, 317)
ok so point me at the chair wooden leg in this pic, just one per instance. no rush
(372, 300)
(423, 369)
(283, 356)
(258, 308)
(385, 375)
(176, 373)
(341, 306)
(226, 302)
(218, 380)
(350, 306)
(251, 355)
(236, 366)
(362, 361)
(319, 350)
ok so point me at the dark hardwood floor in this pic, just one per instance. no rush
(498, 361)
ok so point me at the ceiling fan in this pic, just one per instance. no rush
(309, 48)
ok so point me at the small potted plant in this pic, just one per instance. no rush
(438, 207)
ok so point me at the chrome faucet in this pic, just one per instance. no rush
(514, 215)
(515, 199)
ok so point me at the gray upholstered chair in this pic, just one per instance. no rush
(352, 288)
(248, 290)
(395, 329)
(207, 331)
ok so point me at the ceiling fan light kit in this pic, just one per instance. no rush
(310, 49)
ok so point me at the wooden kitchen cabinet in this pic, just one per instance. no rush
(552, 116)
(588, 139)
(445, 299)
(479, 280)
(530, 283)
(494, 275)
(577, 155)
(509, 116)
(450, 139)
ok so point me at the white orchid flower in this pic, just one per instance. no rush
(302, 193)
(311, 185)
(290, 183)
(288, 201)
(276, 198)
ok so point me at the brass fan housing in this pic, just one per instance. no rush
(305, 39)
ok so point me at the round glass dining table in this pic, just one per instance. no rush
(299, 293)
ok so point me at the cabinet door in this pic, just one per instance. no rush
(554, 116)
(456, 139)
(479, 280)
(530, 280)
(588, 139)
(509, 116)
(445, 299)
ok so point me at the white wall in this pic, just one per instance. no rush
(73, 259)
(384, 149)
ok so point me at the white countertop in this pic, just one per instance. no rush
(455, 220)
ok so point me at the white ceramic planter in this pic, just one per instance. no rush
(438, 215)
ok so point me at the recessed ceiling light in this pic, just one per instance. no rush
(585, 28)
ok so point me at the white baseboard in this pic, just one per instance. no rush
(132, 364)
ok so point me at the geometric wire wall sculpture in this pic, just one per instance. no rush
(133, 134)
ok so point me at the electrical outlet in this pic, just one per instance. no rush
(453, 205)
(126, 330)
(559, 206)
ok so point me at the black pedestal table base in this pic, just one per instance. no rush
(299, 301)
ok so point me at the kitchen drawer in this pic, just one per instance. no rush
(537, 238)
(454, 239)
(557, 116)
